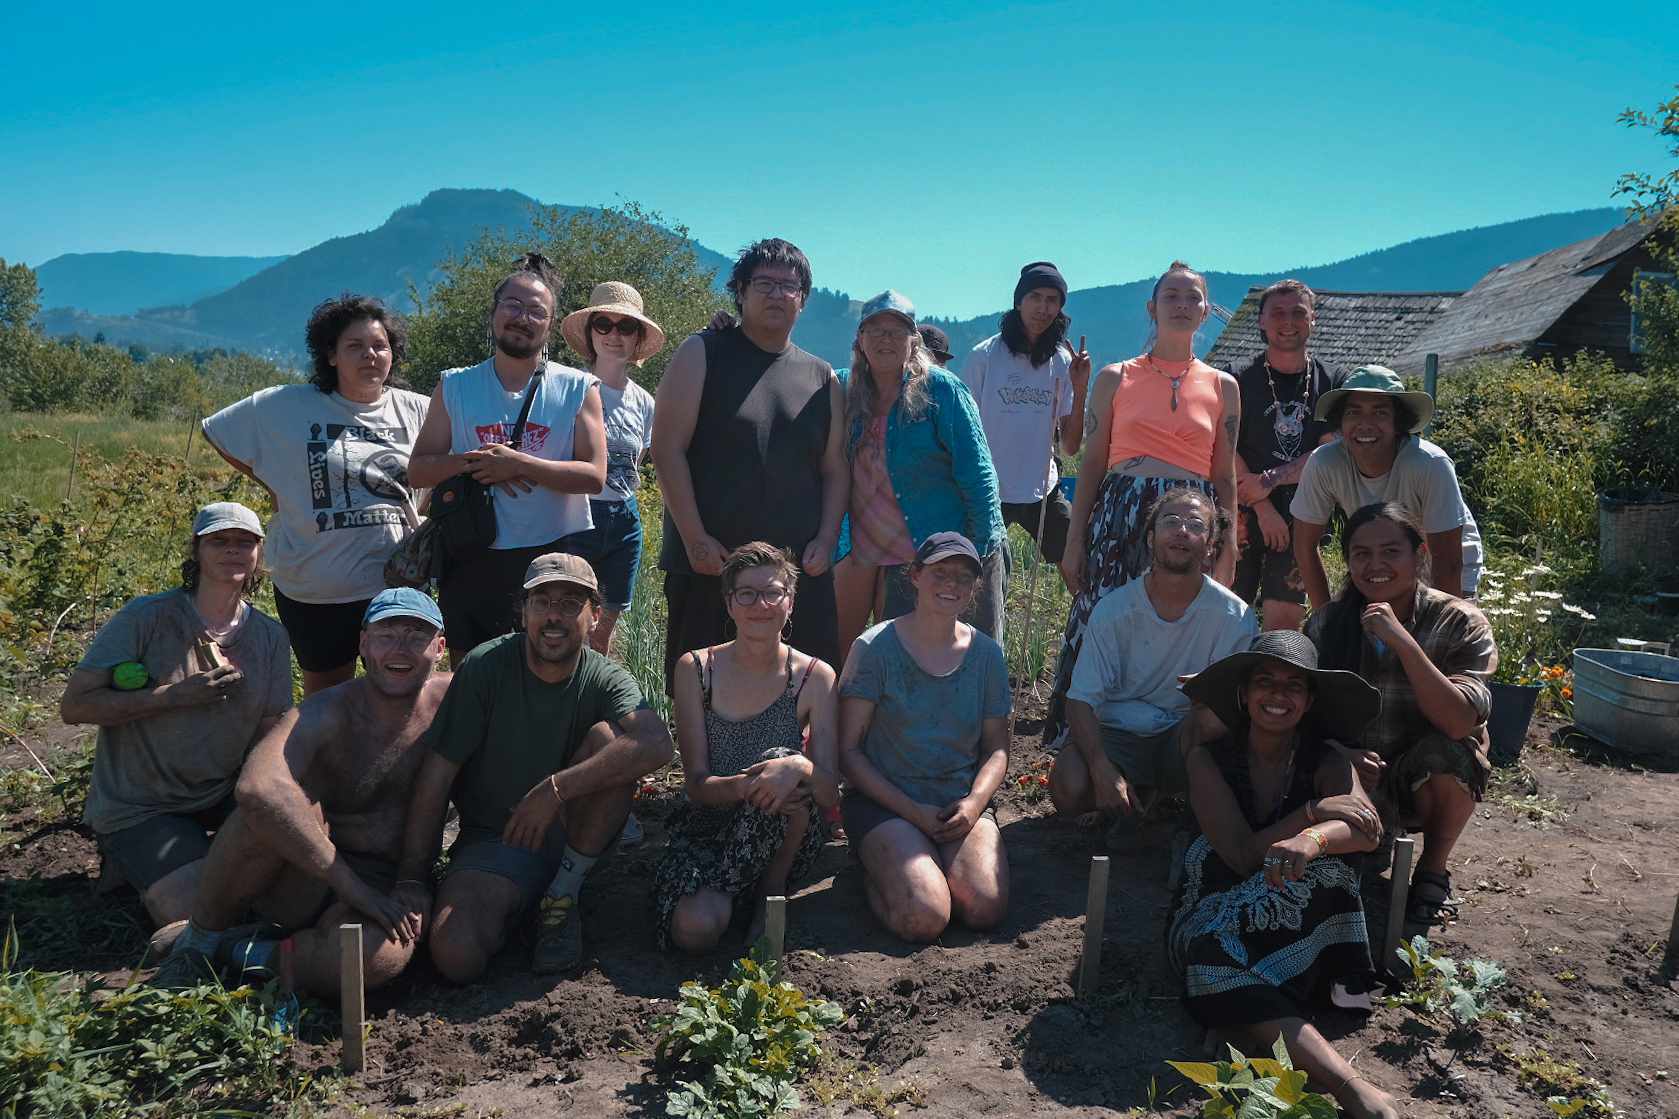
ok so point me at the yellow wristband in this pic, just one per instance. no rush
(1322, 840)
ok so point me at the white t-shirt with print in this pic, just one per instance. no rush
(1016, 400)
(1422, 481)
(482, 411)
(339, 474)
(629, 435)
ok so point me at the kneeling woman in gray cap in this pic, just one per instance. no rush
(924, 736)
(181, 685)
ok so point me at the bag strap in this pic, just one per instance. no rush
(525, 409)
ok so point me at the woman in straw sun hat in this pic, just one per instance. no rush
(1268, 925)
(611, 334)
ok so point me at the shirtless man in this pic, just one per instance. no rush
(323, 800)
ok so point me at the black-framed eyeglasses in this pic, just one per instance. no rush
(751, 596)
(600, 324)
(565, 604)
(763, 285)
(519, 309)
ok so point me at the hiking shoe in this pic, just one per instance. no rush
(559, 937)
(184, 969)
(251, 953)
(632, 836)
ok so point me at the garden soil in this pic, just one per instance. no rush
(1567, 877)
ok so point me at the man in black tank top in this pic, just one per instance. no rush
(748, 444)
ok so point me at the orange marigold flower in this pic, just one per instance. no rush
(1567, 692)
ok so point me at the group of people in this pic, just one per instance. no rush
(801, 505)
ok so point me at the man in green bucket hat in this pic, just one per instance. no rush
(1382, 457)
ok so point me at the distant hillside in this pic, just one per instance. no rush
(121, 283)
(265, 311)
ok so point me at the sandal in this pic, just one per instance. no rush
(1430, 902)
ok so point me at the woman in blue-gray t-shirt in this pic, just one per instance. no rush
(924, 706)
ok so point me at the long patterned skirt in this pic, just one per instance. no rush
(1116, 543)
(1251, 953)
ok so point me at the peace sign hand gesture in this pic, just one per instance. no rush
(1080, 369)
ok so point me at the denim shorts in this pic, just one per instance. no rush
(612, 547)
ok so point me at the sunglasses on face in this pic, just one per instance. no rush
(604, 325)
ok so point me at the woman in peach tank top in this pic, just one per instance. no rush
(1162, 419)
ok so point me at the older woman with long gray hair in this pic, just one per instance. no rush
(919, 465)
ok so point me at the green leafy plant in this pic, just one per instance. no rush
(739, 1048)
(70, 1047)
(1568, 1091)
(1438, 985)
(1256, 1087)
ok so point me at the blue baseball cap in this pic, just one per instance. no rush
(889, 302)
(402, 602)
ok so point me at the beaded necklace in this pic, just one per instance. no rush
(1288, 421)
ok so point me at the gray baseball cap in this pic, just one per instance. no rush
(225, 514)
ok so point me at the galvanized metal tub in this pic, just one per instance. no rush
(1629, 701)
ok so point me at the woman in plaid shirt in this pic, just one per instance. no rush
(1431, 656)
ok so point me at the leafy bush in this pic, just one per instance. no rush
(70, 1047)
(1256, 1087)
(587, 247)
(1437, 985)
(1535, 627)
(743, 1044)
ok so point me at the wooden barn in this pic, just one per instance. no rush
(1554, 304)
(1353, 327)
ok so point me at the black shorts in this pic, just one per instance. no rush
(324, 635)
(1274, 576)
(480, 598)
(1057, 514)
(862, 814)
(698, 619)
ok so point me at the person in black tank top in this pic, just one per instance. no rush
(748, 446)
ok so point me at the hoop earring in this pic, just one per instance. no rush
(787, 630)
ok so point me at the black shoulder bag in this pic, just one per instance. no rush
(464, 508)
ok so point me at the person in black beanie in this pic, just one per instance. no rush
(1030, 385)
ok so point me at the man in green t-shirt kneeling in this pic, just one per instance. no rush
(541, 742)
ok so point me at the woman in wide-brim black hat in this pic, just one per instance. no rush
(1268, 922)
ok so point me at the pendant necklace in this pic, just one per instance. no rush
(1288, 421)
(1154, 363)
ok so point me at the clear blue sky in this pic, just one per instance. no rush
(932, 148)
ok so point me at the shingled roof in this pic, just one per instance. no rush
(1515, 304)
(1353, 328)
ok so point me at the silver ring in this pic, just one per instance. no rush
(1273, 860)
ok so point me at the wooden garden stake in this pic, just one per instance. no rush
(352, 993)
(1670, 962)
(775, 924)
(1095, 914)
(1404, 850)
(75, 449)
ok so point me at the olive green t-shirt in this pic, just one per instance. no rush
(507, 729)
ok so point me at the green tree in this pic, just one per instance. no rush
(1655, 197)
(20, 296)
(450, 327)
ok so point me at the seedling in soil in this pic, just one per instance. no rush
(1256, 1087)
(1439, 986)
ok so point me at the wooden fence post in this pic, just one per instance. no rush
(1404, 850)
(775, 925)
(352, 994)
(1095, 916)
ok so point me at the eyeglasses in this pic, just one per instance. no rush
(413, 640)
(765, 286)
(885, 333)
(1195, 526)
(518, 309)
(600, 324)
(564, 604)
(751, 596)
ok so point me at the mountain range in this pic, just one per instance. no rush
(170, 301)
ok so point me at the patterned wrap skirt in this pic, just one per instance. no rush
(725, 850)
(1116, 552)
(1251, 953)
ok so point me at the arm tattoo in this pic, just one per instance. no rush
(1089, 423)
(1230, 429)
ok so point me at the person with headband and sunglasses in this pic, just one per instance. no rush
(612, 334)
(541, 487)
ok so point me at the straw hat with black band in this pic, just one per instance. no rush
(1343, 703)
(613, 298)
